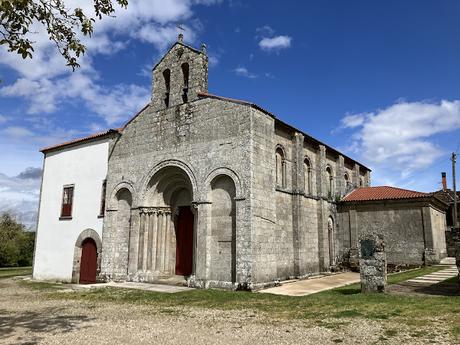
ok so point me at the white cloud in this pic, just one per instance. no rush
(46, 83)
(3, 119)
(19, 195)
(17, 132)
(275, 43)
(243, 72)
(352, 121)
(160, 36)
(400, 139)
(265, 30)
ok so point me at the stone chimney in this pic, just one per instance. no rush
(444, 181)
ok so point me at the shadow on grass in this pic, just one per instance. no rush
(31, 326)
(449, 287)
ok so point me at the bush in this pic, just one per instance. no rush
(16, 244)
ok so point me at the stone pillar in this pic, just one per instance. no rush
(141, 245)
(150, 233)
(298, 188)
(167, 242)
(340, 186)
(202, 257)
(354, 250)
(429, 256)
(320, 172)
(159, 264)
(153, 243)
(368, 179)
(355, 178)
(322, 208)
(372, 263)
(243, 242)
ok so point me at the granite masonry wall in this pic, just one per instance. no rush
(413, 230)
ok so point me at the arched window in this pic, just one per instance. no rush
(167, 79)
(307, 176)
(185, 73)
(346, 179)
(361, 182)
(280, 169)
(329, 182)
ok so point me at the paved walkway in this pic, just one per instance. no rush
(435, 277)
(314, 285)
(137, 286)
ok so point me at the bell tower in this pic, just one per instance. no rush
(179, 76)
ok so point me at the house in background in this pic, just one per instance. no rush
(447, 195)
(412, 224)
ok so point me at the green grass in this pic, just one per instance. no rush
(395, 278)
(342, 304)
(9, 272)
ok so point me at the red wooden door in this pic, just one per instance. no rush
(88, 262)
(184, 242)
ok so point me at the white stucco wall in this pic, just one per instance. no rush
(84, 166)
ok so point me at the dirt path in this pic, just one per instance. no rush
(26, 317)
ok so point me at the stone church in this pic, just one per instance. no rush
(195, 188)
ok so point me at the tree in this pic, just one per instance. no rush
(61, 24)
(16, 244)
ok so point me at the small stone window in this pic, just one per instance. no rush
(280, 168)
(167, 79)
(307, 176)
(185, 73)
(329, 182)
(346, 179)
(361, 182)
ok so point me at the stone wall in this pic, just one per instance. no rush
(202, 137)
(411, 229)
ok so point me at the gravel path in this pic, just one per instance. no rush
(28, 318)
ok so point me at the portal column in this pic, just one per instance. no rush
(152, 240)
(167, 242)
(159, 244)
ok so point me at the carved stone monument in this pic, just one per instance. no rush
(372, 263)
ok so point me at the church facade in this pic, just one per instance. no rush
(198, 188)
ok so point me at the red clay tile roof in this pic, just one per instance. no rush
(383, 193)
(75, 141)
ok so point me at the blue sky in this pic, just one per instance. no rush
(377, 80)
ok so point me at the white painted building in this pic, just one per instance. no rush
(71, 205)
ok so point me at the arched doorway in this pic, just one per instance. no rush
(88, 262)
(166, 234)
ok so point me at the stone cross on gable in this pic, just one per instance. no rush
(181, 33)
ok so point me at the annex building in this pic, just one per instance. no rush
(195, 188)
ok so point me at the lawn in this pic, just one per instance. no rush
(8, 272)
(330, 308)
